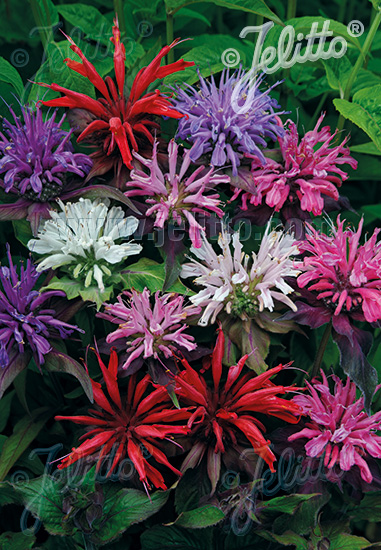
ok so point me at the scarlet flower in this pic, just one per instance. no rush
(126, 426)
(223, 422)
(115, 123)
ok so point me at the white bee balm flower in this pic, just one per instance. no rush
(237, 283)
(83, 237)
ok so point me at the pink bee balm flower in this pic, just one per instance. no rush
(339, 427)
(343, 274)
(150, 331)
(305, 172)
(175, 197)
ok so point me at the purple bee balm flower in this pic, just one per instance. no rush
(339, 428)
(25, 325)
(37, 163)
(174, 197)
(229, 121)
(150, 331)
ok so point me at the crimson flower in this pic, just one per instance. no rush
(116, 123)
(128, 426)
(223, 422)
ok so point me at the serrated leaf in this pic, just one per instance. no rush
(89, 20)
(369, 508)
(345, 541)
(286, 504)
(8, 494)
(127, 507)
(94, 294)
(25, 431)
(208, 61)
(10, 75)
(289, 538)
(364, 111)
(205, 516)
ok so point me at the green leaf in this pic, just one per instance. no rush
(127, 507)
(258, 7)
(94, 294)
(168, 538)
(5, 409)
(338, 72)
(304, 518)
(206, 59)
(89, 20)
(349, 542)
(368, 148)
(42, 496)
(8, 494)
(16, 541)
(25, 431)
(10, 75)
(364, 111)
(23, 232)
(199, 518)
(192, 486)
(369, 508)
(150, 274)
(251, 340)
(56, 361)
(289, 538)
(74, 288)
(287, 504)
(49, 13)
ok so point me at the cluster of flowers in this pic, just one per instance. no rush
(319, 279)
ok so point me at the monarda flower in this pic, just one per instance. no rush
(180, 195)
(117, 123)
(126, 426)
(340, 283)
(38, 164)
(27, 323)
(150, 330)
(227, 122)
(239, 284)
(83, 238)
(303, 174)
(225, 421)
(338, 427)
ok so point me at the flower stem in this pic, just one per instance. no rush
(169, 27)
(291, 9)
(321, 350)
(39, 22)
(360, 61)
(342, 10)
(118, 7)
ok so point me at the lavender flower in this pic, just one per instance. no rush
(150, 331)
(230, 121)
(37, 160)
(24, 323)
(172, 195)
(37, 156)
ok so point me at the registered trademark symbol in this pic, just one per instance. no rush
(355, 28)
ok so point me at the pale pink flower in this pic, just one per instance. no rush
(175, 197)
(237, 283)
(343, 274)
(305, 173)
(339, 428)
(150, 331)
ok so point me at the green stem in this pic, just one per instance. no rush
(360, 61)
(118, 7)
(39, 22)
(47, 14)
(169, 27)
(220, 20)
(291, 9)
(342, 10)
(317, 111)
(320, 353)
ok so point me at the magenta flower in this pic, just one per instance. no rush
(306, 173)
(345, 275)
(150, 331)
(339, 428)
(175, 197)
(341, 283)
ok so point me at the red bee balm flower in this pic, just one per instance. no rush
(125, 427)
(223, 421)
(114, 123)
